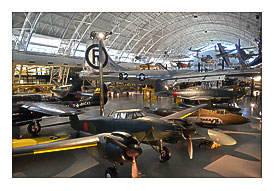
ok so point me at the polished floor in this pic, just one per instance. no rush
(241, 160)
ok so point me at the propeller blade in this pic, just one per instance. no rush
(190, 148)
(134, 168)
(147, 134)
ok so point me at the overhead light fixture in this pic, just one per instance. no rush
(101, 36)
(258, 78)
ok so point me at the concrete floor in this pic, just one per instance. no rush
(241, 160)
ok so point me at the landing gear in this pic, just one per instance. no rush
(111, 172)
(77, 134)
(165, 154)
(34, 128)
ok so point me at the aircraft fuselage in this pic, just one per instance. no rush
(138, 127)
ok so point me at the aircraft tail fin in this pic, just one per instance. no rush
(92, 59)
(95, 99)
(75, 87)
(222, 51)
(160, 87)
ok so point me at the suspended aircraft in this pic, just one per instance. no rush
(240, 54)
(115, 73)
(181, 64)
(197, 50)
(117, 137)
(224, 54)
(29, 109)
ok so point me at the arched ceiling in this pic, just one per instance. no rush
(141, 33)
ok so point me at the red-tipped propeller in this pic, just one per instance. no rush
(187, 133)
(132, 150)
(190, 148)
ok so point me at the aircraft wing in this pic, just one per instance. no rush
(69, 144)
(82, 94)
(184, 113)
(196, 97)
(50, 109)
(171, 77)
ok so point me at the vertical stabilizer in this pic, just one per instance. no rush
(92, 58)
(160, 87)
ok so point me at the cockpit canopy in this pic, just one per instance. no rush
(222, 111)
(127, 114)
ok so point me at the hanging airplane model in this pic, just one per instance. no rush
(197, 50)
(115, 73)
(241, 55)
(117, 137)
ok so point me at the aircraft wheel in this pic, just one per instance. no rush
(111, 173)
(34, 128)
(165, 155)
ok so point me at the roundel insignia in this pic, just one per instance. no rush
(175, 94)
(94, 47)
(85, 126)
(141, 77)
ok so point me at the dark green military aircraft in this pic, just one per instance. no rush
(198, 94)
(117, 137)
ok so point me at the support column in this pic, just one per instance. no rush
(67, 75)
(101, 78)
(60, 74)
(51, 77)
(13, 70)
(252, 87)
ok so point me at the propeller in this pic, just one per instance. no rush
(190, 148)
(187, 132)
(147, 134)
(132, 151)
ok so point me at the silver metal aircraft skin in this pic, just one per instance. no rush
(116, 73)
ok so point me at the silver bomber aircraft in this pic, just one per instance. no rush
(112, 72)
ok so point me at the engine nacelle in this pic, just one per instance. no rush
(112, 152)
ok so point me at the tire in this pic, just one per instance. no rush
(111, 173)
(166, 155)
(34, 129)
